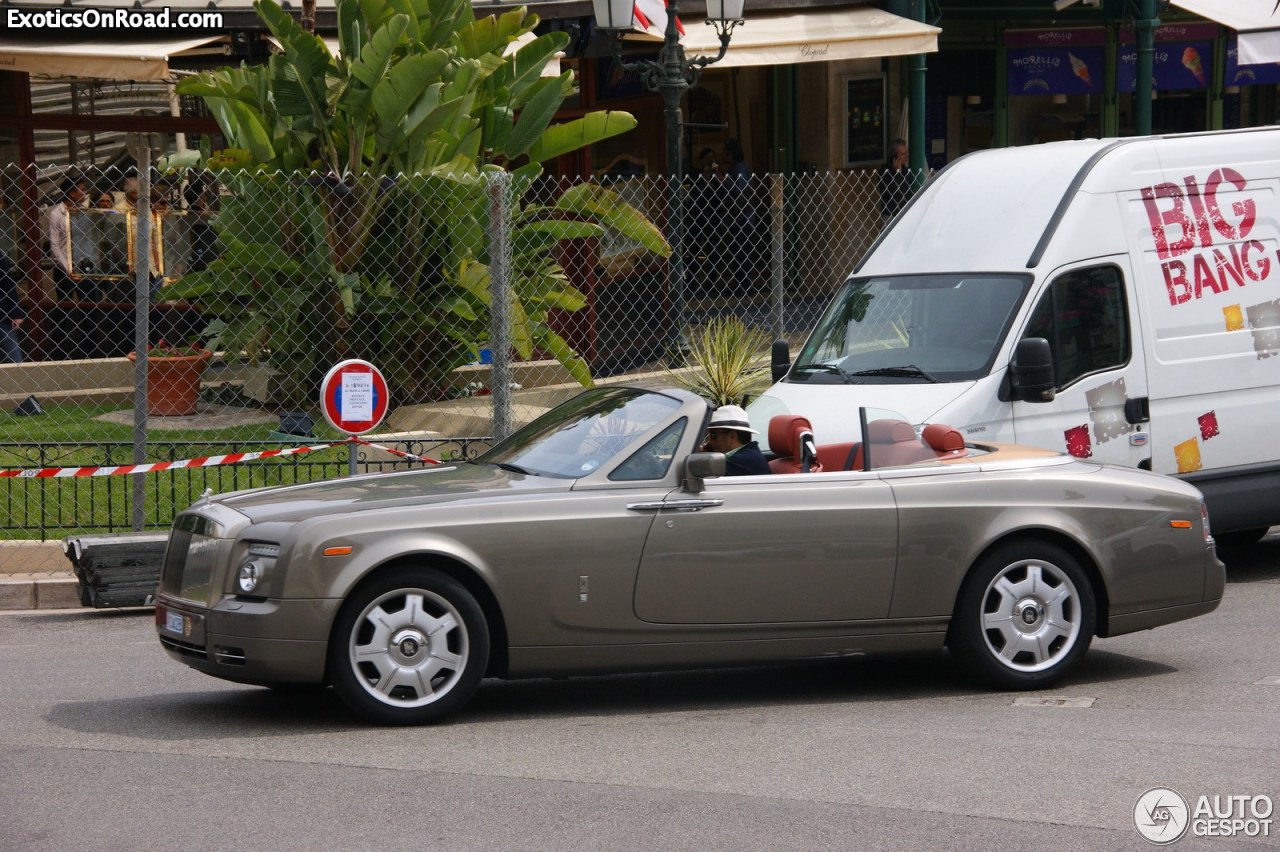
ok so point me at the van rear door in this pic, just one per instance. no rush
(1100, 411)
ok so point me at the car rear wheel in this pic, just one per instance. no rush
(1024, 617)
(409, 647)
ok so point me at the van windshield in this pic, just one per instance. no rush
(911, 328)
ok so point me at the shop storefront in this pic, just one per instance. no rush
(1000, 82)
(804, 89)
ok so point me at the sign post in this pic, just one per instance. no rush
(354, 399)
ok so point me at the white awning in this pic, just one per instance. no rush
(103, 60)
(1256, 21)
(814, 35)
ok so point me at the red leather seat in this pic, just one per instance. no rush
(785, 433)
(946, 441)
(894, 442)
(846, 456)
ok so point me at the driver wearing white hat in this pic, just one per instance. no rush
(730, 432)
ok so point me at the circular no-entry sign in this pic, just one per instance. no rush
(354, 396)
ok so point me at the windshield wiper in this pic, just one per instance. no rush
(905, 371)
(513, 468)
(830, 368)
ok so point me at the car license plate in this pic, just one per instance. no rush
(175, 622)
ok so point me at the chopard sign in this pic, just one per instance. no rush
(815, 49)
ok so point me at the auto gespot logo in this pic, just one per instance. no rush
(1163, 816)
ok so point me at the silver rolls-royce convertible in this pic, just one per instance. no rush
(599, 538)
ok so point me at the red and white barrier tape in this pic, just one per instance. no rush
(117, 470)
(202, 461)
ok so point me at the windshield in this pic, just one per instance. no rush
(583, 434)
(913, 328)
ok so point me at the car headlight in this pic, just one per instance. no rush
(254, 572)
(251, 574)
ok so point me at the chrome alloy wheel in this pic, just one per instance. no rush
(1031, 615)
(408, 647)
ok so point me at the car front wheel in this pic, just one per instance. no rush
(409, 647)
(1025, 616)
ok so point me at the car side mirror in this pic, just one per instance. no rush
(1031, 371)
(700, 466)
(780, 361)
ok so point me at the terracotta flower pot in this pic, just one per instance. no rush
(173, 382)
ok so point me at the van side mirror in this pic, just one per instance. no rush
(781, 360)
(700, 466)
(1031, 371)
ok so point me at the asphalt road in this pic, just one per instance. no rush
(105, 743)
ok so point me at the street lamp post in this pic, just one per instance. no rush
(671, 74)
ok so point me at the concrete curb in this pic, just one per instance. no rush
(36, 575)
(50, 592)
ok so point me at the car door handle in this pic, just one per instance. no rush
(674, 505)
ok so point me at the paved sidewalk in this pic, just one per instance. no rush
(36, 575)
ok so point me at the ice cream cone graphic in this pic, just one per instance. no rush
(1080, 69)
(1191, 61)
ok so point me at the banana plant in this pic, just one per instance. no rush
(382, 150)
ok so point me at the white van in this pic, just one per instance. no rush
(1116, 299)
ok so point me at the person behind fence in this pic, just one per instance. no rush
(706, 217)
(742, 215)
(71, 196)
(111, 235)
(11, 313)
(730, 432)
(896, 181)
(204, 240)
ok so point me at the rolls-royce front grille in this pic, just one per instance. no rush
(189, 562)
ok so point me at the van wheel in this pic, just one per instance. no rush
(1024, 617)
(409, 647)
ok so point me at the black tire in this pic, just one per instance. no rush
(420, 658)
(1024, 617)
(1240, 539)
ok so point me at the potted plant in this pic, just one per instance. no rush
(173, 377)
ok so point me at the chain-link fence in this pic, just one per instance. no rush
(483, 300)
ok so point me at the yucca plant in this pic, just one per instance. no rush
(731, 361)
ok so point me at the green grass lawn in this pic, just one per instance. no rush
(70, 436)
(55, 508)
(78, 424)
